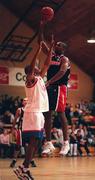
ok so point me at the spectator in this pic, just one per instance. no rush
(73, 144)
(57, 137)
(4, 143)
(8, 117)
(82, 143)
(68, 113)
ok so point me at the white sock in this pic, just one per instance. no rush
(66, 142)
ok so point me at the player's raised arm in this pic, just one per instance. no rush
(30, 68)
(45, 47)
(48, 59)
(47, 14)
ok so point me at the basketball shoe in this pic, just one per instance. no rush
(18, 173)
(48, 148)
(12, 165)
(23, 174)
(65, 149)
(33, 164)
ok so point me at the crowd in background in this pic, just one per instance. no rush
(9, 103)
(81, 126)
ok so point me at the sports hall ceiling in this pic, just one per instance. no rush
(73, 23)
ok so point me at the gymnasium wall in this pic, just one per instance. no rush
(84, 84)
(85, 87)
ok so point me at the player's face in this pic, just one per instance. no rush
(59, 48)
(30, 76)
(24, 102)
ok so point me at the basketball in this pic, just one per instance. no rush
(47, 13)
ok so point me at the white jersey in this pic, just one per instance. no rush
(37, 97)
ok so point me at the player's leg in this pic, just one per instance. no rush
(16, 153)
(23, 170)
(61, 104)
(32, 162)
(65, 147)
(48, 147)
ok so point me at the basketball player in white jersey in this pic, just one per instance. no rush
(33, 121)
(17, 131)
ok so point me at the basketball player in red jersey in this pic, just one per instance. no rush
(57, 79)
(37, 103)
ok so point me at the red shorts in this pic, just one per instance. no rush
(18, 137)
(57, 97)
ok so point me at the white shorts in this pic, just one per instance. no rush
(33, 121)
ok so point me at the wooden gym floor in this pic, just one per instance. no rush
(55, 168)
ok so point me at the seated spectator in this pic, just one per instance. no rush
(57, 137)
(88, 118)
(81, 142)
(68, 113)
(8, 117)
(91, 139)
(4, 143)
(73, 144)
(72, 128)
(91, 107)
(1, 126)
(75, 116)
(83, 130)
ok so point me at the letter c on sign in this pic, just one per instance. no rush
(19, 76)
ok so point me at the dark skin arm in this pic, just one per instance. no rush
(45, 47)
(32, 64)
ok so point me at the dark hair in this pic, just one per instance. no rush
(28, 69)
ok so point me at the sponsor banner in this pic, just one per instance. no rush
(16, 77)
(73, 82)
(4, 75)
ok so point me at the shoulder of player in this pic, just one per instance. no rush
(65, 59)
